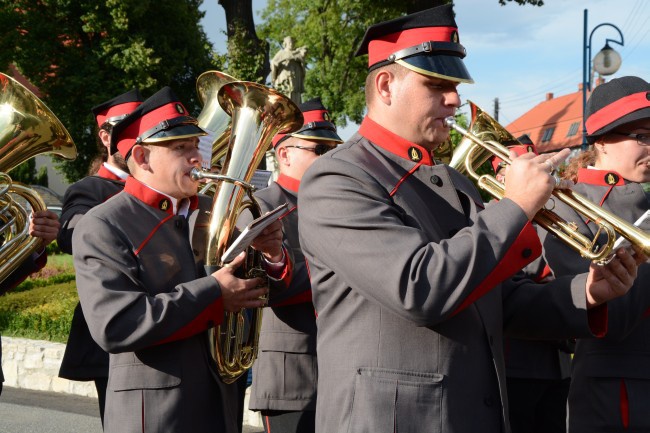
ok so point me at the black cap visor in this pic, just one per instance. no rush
(185, 130)
(318, 134)
(440, 66)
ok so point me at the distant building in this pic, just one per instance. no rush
(555, 123)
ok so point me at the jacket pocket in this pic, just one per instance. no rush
(127, 373)
(396, 401)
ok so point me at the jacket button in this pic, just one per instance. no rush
(527, 252)
(436, 180)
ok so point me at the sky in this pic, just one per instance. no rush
(519, 54)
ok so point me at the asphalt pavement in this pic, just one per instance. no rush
(27, 411)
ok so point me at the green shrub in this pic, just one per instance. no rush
(43, 313)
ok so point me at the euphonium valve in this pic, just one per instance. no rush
(258, 113)
(27, 128)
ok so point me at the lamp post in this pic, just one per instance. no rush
(606, 62)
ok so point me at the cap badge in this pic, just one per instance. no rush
(415, 154)
(326, 116)
(180, 109)
(529, 149)
(163, 204)
(611, 178)
(647, 95)
(454, 37)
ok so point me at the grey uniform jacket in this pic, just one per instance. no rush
(148, 302)
(404, 272)
(604, 369)
(285, 372)
(83, 358)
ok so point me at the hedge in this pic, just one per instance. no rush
(42, 306)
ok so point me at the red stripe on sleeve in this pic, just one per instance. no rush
(209, 317)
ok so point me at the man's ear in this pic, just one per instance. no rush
(140, 156)
(105, 138)
(282, 155)
(382, 82)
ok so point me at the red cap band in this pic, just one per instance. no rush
(616, 110)
(146, 122)
(380, 49)
(116, 110)
(315, 116)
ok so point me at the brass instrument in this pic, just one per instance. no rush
(477, 151)
(27, 128)
(258, 113)
(212, 117)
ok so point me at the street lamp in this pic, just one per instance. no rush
(606, 62)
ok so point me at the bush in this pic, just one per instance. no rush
(43, 313)
(41, 307)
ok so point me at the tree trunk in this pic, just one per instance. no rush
(241, 11)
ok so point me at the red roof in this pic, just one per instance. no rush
(563, 113)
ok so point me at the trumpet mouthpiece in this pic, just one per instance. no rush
(450, 121)
(196, 173)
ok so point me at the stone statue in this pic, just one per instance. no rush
(288, 70)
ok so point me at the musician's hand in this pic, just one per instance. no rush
(614, 279)
(45, 225)
(238, 293)
(269, 242)
(529, 181)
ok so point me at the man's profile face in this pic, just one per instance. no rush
(170, 163)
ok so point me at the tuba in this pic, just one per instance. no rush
(258, 113)
(475, 151)
(27, 128)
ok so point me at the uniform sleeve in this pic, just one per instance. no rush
(122, 314)
(35, 262)
(351, 230)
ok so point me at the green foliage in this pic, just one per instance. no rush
(43, 313)
(85, 52)
(332, 32)
(25, 172)
(240, 63)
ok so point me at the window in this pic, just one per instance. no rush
(548, 134)
(573, 129)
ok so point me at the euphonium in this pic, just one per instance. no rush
(213, 118)
(27, 128)
(478, 151)
(258, 113)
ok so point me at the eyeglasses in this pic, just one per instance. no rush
(641, 139)
(319, 149)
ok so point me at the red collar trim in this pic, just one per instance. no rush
(107, 174)
(153, 198)
(288, 183)
(393, 143)
(600, 177)
(616, 110)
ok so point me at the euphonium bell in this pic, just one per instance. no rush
(476, 151)
(27, 128)
(258, 113)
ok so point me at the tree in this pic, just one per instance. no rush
(332, 31)
(83, 52)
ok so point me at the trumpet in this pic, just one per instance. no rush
(608, 224)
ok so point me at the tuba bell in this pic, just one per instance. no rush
(27, 128)
(258, 113)
(476, 151)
